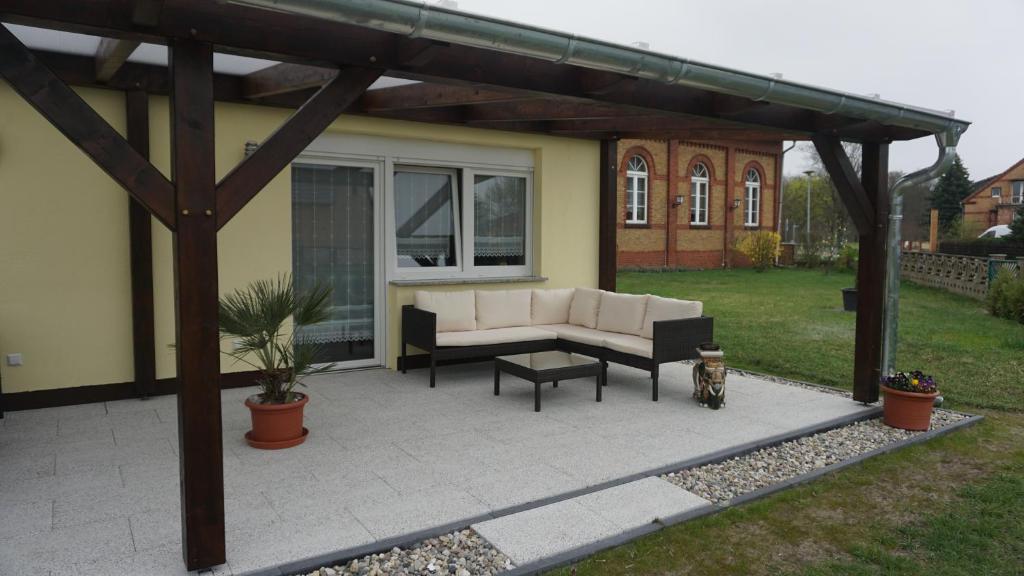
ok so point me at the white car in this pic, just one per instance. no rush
(996, 232)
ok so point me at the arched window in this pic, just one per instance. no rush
(636, 191)
(752, 199)
(699, 194)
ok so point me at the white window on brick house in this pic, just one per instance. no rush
(699, 194)
(1018, 192)
(997, 192)
(636, 191)
(752, 199)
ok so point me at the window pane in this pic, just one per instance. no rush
(499, 220)
(425, 224)
(332, 231)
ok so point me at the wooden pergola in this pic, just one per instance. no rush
(324, 71)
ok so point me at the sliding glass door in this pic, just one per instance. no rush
(334, 217)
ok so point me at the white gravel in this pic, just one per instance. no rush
(725, 480)
(463, 553)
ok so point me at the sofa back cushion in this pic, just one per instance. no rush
(551, 306)
(583, 311)
(623, 313)
(502, 308)
(659, 308)
(456, 311)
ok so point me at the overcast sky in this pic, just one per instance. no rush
(962, 55)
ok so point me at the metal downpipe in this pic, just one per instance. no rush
(946, 142)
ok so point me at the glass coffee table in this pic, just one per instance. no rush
(551, 366)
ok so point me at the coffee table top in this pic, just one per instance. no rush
(549, 360)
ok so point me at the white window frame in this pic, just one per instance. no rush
(632, 192)
(752, 199)
(469, 232)
(433, 271)
(699, 190)
(997, 192)
(1017, 194)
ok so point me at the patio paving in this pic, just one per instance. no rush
(93, 489)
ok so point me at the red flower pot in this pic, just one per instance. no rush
(276, 426)
(908, 410)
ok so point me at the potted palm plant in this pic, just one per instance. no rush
(909, 398)
(256, 319)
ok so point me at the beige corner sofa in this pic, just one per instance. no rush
(641, 331)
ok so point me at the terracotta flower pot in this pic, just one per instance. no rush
(908, 410)
(276, 426)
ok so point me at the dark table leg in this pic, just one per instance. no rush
(604, 373)
(536, 397)
(600, 384)
(497, 380)
(554, 383)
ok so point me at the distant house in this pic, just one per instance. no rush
(995, 200)
(684, 204)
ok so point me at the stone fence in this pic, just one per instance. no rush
(967, 275)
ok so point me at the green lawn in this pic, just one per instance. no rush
(952, 506)
(791, 323)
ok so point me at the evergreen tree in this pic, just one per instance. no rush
(1017, 227)
(952, 187)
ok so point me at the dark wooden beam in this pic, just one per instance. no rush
(547, 109)
(846, 181)
(196, 305)
(285, 78)
(84, 127)
(871, 268)
(431, 95)
(147, 12)
(262, 33)
(607, 215)
(111, 54)
(140, 250)
(254, 172)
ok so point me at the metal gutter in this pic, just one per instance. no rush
(946, 142)
(419, 20)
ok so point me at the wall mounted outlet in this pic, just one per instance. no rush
(14, 359)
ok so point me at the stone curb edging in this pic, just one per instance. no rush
(581, 552)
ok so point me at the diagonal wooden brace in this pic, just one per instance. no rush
(236, 189)
(66, 110)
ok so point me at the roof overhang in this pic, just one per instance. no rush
(551, 82)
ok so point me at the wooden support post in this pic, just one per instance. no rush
(871, 274)
(140, 249)
(607, 212)
(195, 289)
(933, 231)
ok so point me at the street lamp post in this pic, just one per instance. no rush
(808, 173)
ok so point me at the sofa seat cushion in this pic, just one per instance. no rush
(659, 308)
(455, 310)
(623, 313)
(583, 311)
(630, 344)
(502, 308)
(580, 334)
(551, 306)
(494, 336)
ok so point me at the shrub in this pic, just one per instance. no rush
(916, 381)
(1006, 296)
(847, 259)
(761, 247)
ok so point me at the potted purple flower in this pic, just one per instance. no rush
(909, 398)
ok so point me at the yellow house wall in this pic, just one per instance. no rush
(65, 300)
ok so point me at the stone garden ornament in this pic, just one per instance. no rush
(709, 377)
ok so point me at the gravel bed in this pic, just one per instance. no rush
(463, 553)
(726, 480)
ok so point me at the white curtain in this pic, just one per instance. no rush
(499, 214)
(332, 228)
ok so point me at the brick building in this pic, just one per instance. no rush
(684, 204)
(995, 200)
